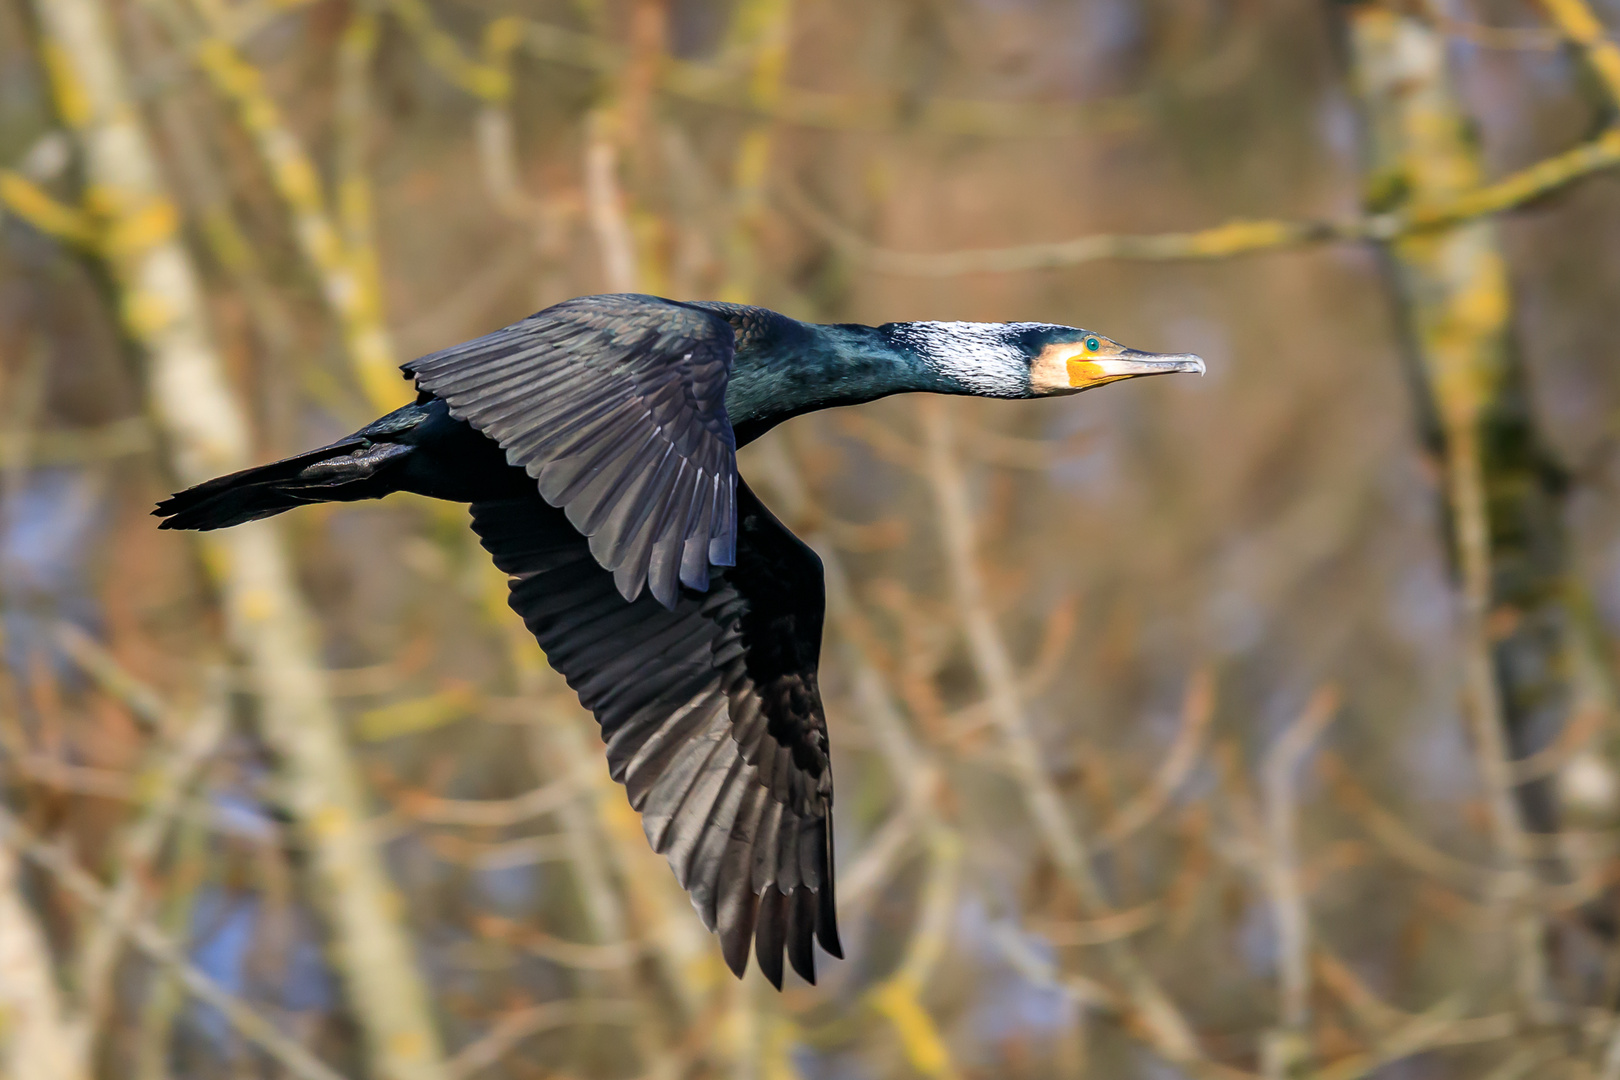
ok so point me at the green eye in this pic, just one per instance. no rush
(1091, 343)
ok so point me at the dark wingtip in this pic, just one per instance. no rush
(827, 904)
(775, 974)
(734, 947)
(827, 924)
(768, 936)
(801, 934)
(807, 971)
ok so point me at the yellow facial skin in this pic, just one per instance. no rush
(1072, 366)
(1084, 368)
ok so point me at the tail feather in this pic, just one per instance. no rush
(419, 448)
(341, 472)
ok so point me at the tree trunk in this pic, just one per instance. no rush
(1502, 513)
(266, 617)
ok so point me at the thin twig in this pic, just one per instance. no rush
(1398, 839)
(524, 851)
(77, 446)
(1371, 1012)
(1576, 22)
(1579, 730)
(606, 956)
(731, 87)
(347, 274)
(1439, 1026)
(1281, 876)
(172, 769)
(158, 947)
(1167, 1029)
(897, 997)
(493, 813)
(144, 703)
(1222, 241)
(916, 772)
(1100, 931)
(878, 857)
(165, 996)
(1198, 708)
(1529, 38)
(514, 1027)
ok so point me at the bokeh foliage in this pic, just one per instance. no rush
(1258, 724)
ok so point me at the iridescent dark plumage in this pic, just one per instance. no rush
(596, 443)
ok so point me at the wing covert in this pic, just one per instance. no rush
(616, 406)
(711, 715)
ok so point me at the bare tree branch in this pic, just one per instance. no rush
(1169, 1032)
(156, 946)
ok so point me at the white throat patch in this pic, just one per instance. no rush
(983, 357)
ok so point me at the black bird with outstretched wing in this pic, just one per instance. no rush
(710, 712)
(596, 442)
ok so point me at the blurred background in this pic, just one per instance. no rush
(1258, 724)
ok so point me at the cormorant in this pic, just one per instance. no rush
(596, 443)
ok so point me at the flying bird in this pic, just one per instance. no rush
(596, 442)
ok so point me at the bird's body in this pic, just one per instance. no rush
(596, 443)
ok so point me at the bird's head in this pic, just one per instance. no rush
(1063, 360)
(1031, 359)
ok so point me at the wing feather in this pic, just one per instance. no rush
(716, 838)
(800, 927)
(709, 709)
(692, 820)
(787, 852)
(576, 394)
(763, 871)
(676, 787)
(738, 904)
(771, 934)
(645, 767)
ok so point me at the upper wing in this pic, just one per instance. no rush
(710, 712)
(616, 405)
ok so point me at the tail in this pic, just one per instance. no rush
(342, 472)
(419, 448)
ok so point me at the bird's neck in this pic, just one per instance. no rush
(798, 368)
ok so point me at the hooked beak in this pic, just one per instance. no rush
(1088, 371)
